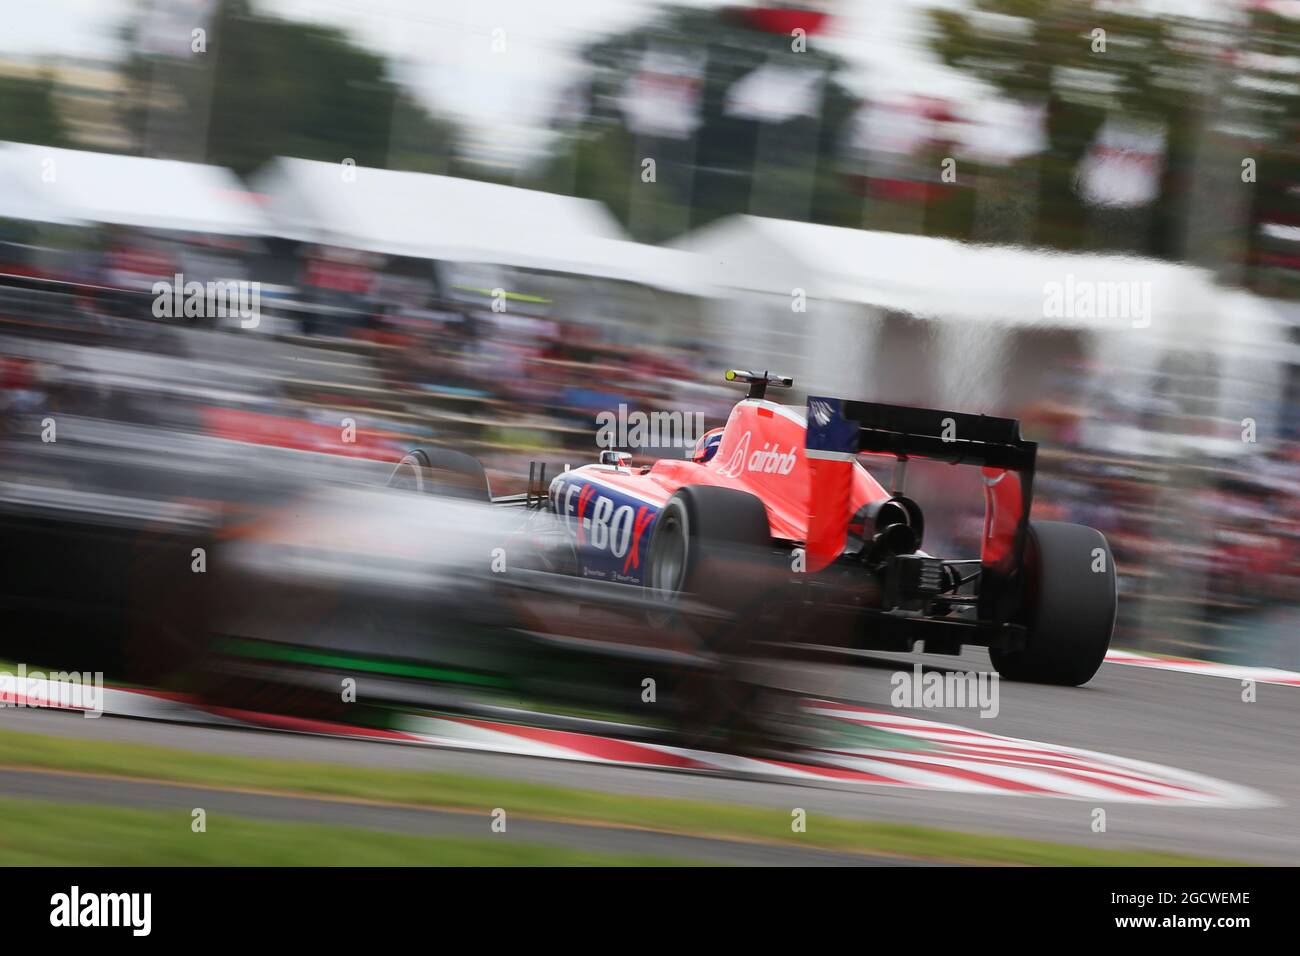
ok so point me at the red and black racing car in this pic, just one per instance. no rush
(774, 524)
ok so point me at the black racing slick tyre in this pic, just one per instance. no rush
(1069, 609)
(712, 544)
(441, 471)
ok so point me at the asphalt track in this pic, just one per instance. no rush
(1188, 721)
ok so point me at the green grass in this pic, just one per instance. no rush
(481, 794)
(52, 834)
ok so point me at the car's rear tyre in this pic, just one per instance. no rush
(1069, 610)
(441, 471)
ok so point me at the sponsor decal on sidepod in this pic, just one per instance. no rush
(769, 460)
(612, 530)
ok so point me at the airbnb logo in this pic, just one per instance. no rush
(769, 460)
(772, 461)
(736, 460)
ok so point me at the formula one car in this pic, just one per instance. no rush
(775, 525)
(661, 600)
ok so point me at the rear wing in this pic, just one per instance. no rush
(840, 430)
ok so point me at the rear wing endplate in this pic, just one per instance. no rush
(840, 430)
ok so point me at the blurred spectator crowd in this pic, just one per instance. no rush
(1204, 547)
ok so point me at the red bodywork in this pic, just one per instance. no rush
(762, 452)
(809, 501)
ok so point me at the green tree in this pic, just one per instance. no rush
(1265, 128)
(732, 164)
(269, 87)
(1191, 76)
(28, 113)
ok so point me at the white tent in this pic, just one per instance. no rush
(929, 277)
(66, 185)
(928, 320)
(460, 220)
(19, 199)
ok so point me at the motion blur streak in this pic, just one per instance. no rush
(487, 234)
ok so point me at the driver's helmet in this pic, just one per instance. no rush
(707, 446)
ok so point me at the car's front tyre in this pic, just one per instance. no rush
(713, 546)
